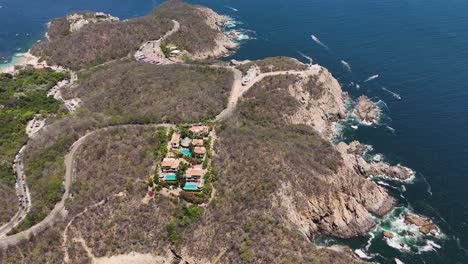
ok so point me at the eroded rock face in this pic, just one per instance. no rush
(352, 156)
(321, 98)
(366, 111)
(425, 225)
(224, 45)
(344, 212)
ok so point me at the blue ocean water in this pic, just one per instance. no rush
(419, 50)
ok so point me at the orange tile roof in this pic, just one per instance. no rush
(167, 162)
(194, 172)
(173, 163)
(199, 150)
(197, 142)
(198, 129)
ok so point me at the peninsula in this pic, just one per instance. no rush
(156, 151)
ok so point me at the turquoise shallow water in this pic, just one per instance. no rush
(418, 49)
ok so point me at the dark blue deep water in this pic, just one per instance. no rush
(418, 48)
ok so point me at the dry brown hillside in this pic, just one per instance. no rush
(97, 43)
(142, 92)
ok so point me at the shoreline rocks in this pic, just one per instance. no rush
(366, 111)
(425, 225)
(352, 156)
(387, 234)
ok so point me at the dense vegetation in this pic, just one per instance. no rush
(21, 98)
(274, 64)
(105, 41)
(134, 92)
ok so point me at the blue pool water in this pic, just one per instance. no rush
(170, 177)
(186, 152)
(190, 187)
(419, 49)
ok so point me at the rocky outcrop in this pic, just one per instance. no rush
(345, 212)
(387, 234)
(321, 98)
(224, 45)
(366, 111)
(78, 20)
(352, 156)
(425, 225)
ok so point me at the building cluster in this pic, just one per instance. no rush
(185, 157)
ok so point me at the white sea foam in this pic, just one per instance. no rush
(306, 57)
(369, 242)
(346, 65)
(397, 96)
(373, 77)
(397, 261)
(358, 86)
(430, 246)
(317, 40)
(232, 8)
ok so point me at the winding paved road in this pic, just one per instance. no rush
(237, 91)
(60, 206)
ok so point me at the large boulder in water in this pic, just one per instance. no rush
(366, 111)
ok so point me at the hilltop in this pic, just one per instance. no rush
(275, 179)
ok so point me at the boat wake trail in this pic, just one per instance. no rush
(232, 8)
(314, 38)
(346, 65)
(373, 77)
(306, 57)
(397, 96)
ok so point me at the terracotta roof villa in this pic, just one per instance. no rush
(175, 140)
(194, 174)
(170, 165)
(199, 151)
(198, 129)
(197, 142)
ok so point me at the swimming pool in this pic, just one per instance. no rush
(170, 177)
(186, 152)
(190, 187)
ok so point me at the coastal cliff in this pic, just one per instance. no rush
(280, 180)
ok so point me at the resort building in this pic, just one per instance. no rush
(194, 174)
(197, 142)
(170, 165)
(199, 152)
(175, 140)
(199, 130)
